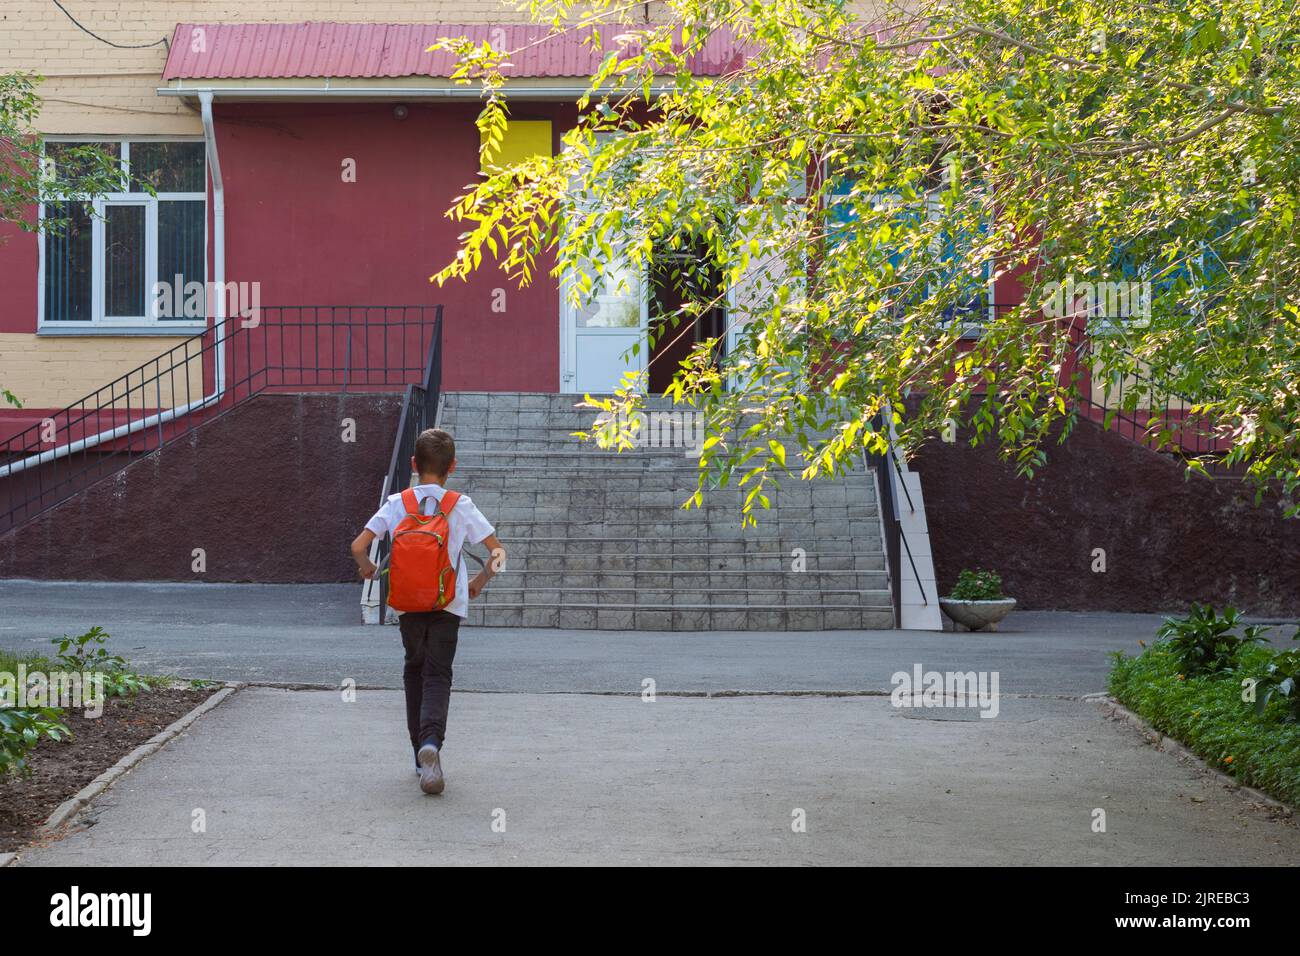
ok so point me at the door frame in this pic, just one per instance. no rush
(569, 352)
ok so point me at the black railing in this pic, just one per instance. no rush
(277, 348)
(1159, 417)
(1140, 408)
(419, 411)
(889, 482)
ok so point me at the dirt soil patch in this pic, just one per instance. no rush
(59, 770)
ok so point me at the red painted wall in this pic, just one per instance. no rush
(308, 237)
(18, 273)
(1169, 539)
(18, 269)
(144, 523)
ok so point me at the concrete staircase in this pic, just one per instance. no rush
(599, 540)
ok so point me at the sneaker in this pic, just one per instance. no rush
(431, 779)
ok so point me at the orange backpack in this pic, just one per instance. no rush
(421, 576)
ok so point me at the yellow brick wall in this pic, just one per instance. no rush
(51, 372)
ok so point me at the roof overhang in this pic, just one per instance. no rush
(384, 88)
(361, 61)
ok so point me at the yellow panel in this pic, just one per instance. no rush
(524, 139)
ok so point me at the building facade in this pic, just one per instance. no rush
(304, 154)
(340, 143)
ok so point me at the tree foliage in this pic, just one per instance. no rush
(28, 177)
(858, 181)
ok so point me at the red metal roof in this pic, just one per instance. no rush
(267, 50)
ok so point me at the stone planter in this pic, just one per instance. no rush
(977, 615)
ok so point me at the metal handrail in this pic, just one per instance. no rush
(902, 537)
(1169, 425)
(895, 542)
(419, 411)
(288, 349)
(911, 506)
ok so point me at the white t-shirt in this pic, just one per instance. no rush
(465, 523)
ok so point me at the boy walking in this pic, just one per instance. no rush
(429, 636)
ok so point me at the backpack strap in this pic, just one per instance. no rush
(410, 502)
(448, 502)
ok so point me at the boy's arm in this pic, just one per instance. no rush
(361, 554)
(496, 561)
(379, 525)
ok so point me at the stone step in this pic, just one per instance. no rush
(650, 580)
(565, 426)
(685, 473)
(476, 434)
(561, 494)
(758, 545)
(599, 538)
(505, 507)
(505, 510)
(582, 466)
(473, 438)
(507, 593)
(807, 535)
(522, 561)
(524, 445)
(676, 472)
(570, 456)
(483, 424)
(680, 472)
(683, 618)
(580, 484)
(502, 402)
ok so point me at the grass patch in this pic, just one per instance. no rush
(1208, 715)
(46, 704)
(9, 661)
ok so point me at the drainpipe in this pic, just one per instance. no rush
(218, 284)
(218, 240)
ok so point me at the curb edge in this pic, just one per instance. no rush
(70, 807)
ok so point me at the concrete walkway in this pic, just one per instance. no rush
(310, 634)
(548, 732)
(300, 777)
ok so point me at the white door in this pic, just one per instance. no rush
(607, 337)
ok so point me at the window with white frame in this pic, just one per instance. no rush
(131, 258)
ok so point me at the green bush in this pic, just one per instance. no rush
(1208, 713)
(1280, 683)
(9, 661)
(21, 730)
(1204, 642)
(977, 586)
(86, 652)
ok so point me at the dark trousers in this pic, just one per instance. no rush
(429, 638)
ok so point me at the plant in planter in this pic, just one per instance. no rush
(977, 602)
